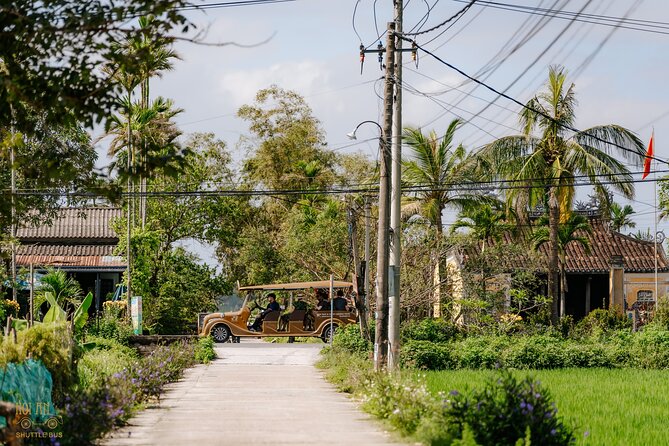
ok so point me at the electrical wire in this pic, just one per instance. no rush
(445, 22)
(537, 58)
(539, 112)
(649, 26)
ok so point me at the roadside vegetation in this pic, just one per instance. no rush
(98, 380)
(457, 384)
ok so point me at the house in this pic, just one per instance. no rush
(617, 271)
(81, 242)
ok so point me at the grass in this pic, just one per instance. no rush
(607, 406)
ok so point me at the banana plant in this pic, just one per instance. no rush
(57, 314)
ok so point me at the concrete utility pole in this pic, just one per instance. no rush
(395, 207)
(12, 157)
(368, 226)
(381, 333)
(129, 204)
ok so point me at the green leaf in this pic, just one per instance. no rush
(55, 313)
(81, 315)
(19, 324)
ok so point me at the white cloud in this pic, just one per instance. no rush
(303, 77)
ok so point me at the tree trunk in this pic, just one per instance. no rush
(553, 255)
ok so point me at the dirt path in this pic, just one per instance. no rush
(255, 394)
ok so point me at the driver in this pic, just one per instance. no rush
(273, 305)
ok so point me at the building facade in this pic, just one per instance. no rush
(80, 241)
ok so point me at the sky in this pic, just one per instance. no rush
(313, 50)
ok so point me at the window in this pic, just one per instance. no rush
(644, 296)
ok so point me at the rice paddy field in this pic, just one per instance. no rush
(606, 406)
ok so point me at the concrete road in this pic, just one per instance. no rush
(255, 394)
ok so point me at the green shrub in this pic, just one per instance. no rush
(477, 352)
(110, 327)
(400, 401)
(433, 330)
(426, 355)
(661, 317)
(49, 343)
(204, 351)
(535, 352)
(101, 359)
(601, 322)
(650, 348)
(347, 371)
(504, 411)
(350, 339)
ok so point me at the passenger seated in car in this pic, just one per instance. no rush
(285, 315)
(340, 303)
(273, 305)
(323, 302)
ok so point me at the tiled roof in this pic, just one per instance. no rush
(69, 256)
(73, 224)
(637, 255)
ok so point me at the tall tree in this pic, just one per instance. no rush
(545, 164)
(436, 166)
(574, 230)
(287, 144)
(51, 52)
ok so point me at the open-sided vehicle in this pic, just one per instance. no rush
(300, 322)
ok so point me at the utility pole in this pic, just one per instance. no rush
(395, 207)
(129, 204)
(368, 226)
(359, 296)
(381, 333)
(12, 157)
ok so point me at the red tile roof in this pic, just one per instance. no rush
(69, 256)
(72, 224)
(637, 255)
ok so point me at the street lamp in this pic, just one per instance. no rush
(383, 249)
(352, 134)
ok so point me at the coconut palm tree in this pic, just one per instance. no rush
(574, 230)
(547, 157)
(620, 216)
(434, 166)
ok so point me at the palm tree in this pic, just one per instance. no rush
(435, 166)
(546, 164)
(153, 125)
(486, 221)
(573, 230)
(620, 216)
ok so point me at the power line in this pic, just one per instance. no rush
(480, 186)
(539, 112)
(445, 22)
(231, 4)
(649, 26)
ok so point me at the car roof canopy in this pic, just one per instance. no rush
(297, 286)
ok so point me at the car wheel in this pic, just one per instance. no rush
(220, 333)
(328, 332)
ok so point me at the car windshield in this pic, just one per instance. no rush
(230, 302)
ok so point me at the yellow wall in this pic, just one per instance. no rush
(635, 282)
